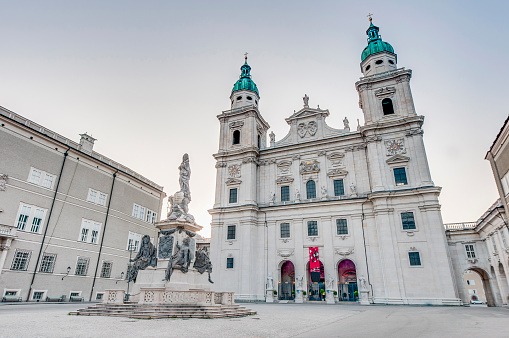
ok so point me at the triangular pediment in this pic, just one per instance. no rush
(308, 112)
(397, 159)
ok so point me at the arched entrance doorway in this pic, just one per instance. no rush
(486, 286)
(287, 281)
(475, 287)
(316, 290)
(347, 281)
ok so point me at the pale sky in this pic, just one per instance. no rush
(147, 78)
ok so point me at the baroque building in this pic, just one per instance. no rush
(362, 201)
(68, 215)
(482, 247)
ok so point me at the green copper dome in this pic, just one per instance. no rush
(375, 43)
(245, 82)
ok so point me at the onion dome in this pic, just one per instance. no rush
(375, 43)
(245, 82)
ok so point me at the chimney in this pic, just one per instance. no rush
(87, 142)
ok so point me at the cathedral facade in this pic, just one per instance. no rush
(327, 213)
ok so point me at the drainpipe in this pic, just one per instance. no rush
(102, 236)
(47, 224)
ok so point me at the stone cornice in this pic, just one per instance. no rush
(394, 123)
(398, 74)
(225, 115)
(241, 152)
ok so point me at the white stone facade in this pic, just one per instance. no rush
(249, 246)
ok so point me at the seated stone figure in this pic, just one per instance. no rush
(145, 257)
(181, 259)
(202, 262)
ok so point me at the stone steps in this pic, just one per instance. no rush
(164, 311)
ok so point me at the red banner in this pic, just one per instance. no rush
(314, 264)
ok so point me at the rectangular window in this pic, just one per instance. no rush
(37, 295)
(312, 228)
(96, 197)
(233, 195)
(99, 296)
(142, 213)
(339, 188)
(75, 294)
(154, 217)
(231, 232)
(106, 270)
(136, 209)
(133, 241)
(285, 193)
(81, 266)
(149, 216)
(37, 219)
(41, 178)
(407, 218)
(285, 230)
(415, 259)
(469, 248)
(89, 232)
(494, 244)
(21, 259)
(48, 263)
(229, 263)
(400, 176)
(341, 227)
(30, 218)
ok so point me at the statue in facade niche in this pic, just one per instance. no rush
(329, 282)
(270, 282)
(298, 282)
(297, 195)
(324, 191)
(362, 283)
(202, 262)
(145, 257)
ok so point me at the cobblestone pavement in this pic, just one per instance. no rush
(272, 320)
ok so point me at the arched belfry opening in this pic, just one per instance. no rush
(236, 137)
(387, 106)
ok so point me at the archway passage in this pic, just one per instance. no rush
(316, 290)
(475, 287)
(347, 281)
(486, 285)
(287, 282)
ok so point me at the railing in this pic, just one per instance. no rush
(7, 230)
(460, 226)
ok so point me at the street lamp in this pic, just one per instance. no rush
(131, 249)
(67, 274)
(121, 277)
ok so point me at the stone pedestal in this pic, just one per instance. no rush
(363, 297)
(329, 297)
(269, 296)
(114, 296)
(299, 299)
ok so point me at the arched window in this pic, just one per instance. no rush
(259, 141)
(387, 106)
(311, 189)
(236, 137)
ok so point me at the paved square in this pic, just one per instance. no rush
(272, 320)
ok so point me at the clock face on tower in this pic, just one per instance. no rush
(395, 147)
